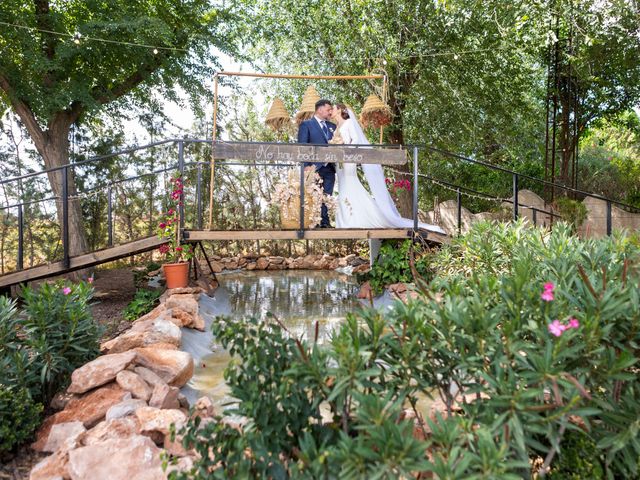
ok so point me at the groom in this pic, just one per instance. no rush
(319, 131)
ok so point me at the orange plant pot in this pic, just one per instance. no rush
(176, 274)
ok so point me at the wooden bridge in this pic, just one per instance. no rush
(242, 155)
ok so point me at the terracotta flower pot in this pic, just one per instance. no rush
(176, 274)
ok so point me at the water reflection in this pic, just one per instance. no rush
(297, 298)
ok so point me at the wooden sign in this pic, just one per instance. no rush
(296, 152)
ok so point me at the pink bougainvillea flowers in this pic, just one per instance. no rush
(66, 290)
(547, 294)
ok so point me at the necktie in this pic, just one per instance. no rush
(325, 130)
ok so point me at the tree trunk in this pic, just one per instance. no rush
(396, 137)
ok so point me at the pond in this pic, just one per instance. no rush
(298, 298)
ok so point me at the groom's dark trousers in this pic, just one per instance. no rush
(311, 132)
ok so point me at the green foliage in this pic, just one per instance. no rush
(57, 334)
(574, 212)
(143, 302)
(393, 264)
(19, 416)
(578, 459)
(487, 334)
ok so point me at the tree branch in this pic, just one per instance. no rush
(23, 110)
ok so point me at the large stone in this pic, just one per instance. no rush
(130, 458)
(165, 396)
(157, 420)
(204, 407)
(173, 366)
(195, 291)
(251, 266)
(365, 291)
(53, 467)
(62, 432)
(144, 334)
(123, 409)
(123, 427)
(216, 266)
(149, 376)
(88, 409)
(133, 383)
(100, 371)
(262, 263)
(183, 464)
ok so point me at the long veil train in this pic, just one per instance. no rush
(375, 178)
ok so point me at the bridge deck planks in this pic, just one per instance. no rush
(149, 243)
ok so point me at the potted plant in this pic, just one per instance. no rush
(176, 270)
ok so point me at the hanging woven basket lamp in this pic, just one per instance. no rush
(375, 113)
(278, 117)
(308, 107)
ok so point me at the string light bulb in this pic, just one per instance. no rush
(155, 51)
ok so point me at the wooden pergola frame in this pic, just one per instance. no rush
(274, 75)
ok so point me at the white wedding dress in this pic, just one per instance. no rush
(356, 207)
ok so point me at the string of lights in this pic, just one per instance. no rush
(78, 38)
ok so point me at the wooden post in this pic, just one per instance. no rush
(213, 137)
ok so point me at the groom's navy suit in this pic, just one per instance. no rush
(311, 132)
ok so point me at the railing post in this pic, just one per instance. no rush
(609, 219)
(65, 217)
(535, 216)
(459, 208)
(199, 195)
(181, 169)
(415, 189)
(110, 216)
(515, 196)
(20, 238)
(301, 231)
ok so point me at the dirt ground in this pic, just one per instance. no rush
(114, 289)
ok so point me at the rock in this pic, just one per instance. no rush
(204, 407)
(397, 288)
(173, 366)
(232, 265)
(88, 409)
(183, 401)
(251, 266)
(133, 383)
(157, 420)
(276, 260)
(129, 458)
(123, 409)
(165, 396)
(242, 262)
(262, 263)
(100, 371)
(365, 291)
(196, 291)
(361, 268)
(155, 313)
(183, 464)
(216, 266)
(52, 468)
(62, 432)
(343, 262)
(275, 266)
(333, 264)
(123, 427)
(174, 447)
(61, 399)
(186, 303)
(143, 334)
(149, 376)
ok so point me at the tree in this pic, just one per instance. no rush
(62, 62)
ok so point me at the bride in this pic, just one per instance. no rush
(356, 207)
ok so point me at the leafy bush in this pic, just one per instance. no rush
(55, 335)
(534, 336)
(19, 417)
(143, 302)
(572, 211)
(578, 459)
(393, 264)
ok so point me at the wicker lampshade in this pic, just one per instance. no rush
(278, 117)
(308, 107)
(375, 113)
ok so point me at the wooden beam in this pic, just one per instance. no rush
(82, 261)
(308, 153)
(301, 77)
(316, 234)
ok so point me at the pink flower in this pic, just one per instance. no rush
(547, 295)
(178, 249)
(90, 280)
(164, 249)
(171, 211)
(573, 323)
(66, 290)
(163, 225)
(556, 328)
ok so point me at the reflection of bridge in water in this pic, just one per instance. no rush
(239, 155)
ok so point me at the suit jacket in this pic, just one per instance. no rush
(311, 132)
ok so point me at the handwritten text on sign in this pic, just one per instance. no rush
(305, 153)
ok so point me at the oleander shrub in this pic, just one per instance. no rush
(532, 339)
(52, 336)
(19, 417)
